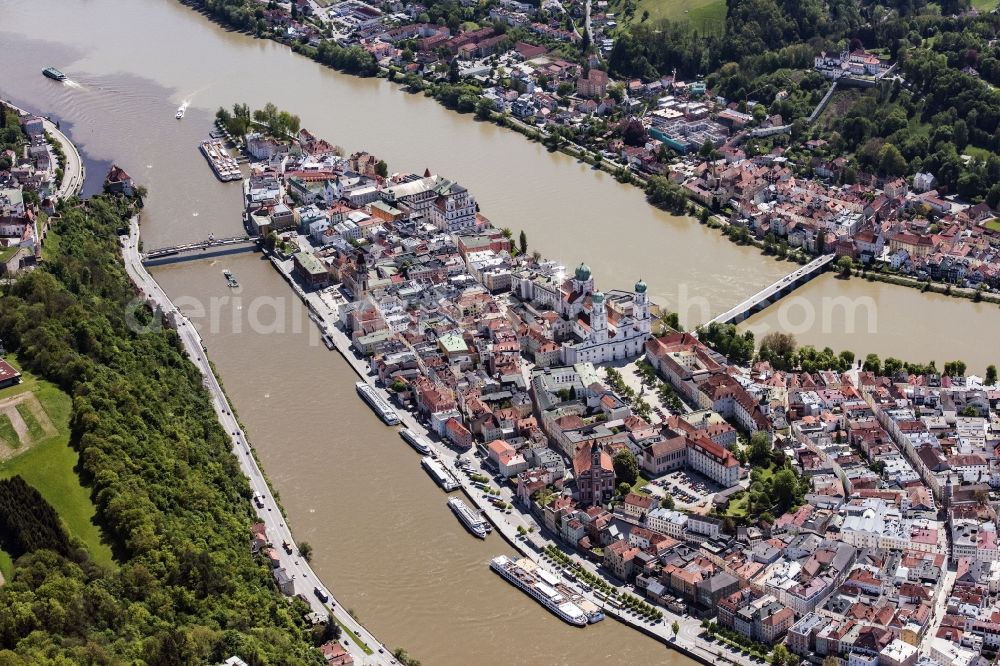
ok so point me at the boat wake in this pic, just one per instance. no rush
(72, 84)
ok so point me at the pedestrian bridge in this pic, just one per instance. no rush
(775, 292)
(211, 247)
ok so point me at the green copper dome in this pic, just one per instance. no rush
(640, 287)
(582, 272)
(597, 297)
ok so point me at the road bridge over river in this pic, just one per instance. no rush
(775, 292)
(211, 247)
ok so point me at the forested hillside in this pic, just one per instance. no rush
(168, 492)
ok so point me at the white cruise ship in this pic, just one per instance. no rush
(416, 441)
(224, 165)
(542, 585)
(439, 474)
(472, 520)
(378, 403)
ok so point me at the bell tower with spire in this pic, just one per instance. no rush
(598, 317)
(641, 311)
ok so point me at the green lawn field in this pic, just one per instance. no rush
(49, 464)
(705, 16)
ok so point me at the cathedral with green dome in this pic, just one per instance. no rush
(594, 326)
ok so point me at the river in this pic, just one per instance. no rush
(383, 539)
(885, 319)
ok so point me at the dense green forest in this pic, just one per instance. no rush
(169, 494)
(27, 522)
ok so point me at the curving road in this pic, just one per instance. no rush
(73, 172)
(298, 569)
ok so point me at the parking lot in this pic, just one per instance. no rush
(690, 490)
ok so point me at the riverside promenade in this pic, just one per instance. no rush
(325, 314)
(298, 569)
(74, 172)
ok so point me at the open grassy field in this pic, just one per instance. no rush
(35, 429)
(8, 435)
(49, 463)
(993, 225)
(984, 5)
(703, 15)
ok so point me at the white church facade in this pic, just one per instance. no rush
(594, 326)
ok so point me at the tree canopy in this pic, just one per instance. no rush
(168, 491)
(626, 467)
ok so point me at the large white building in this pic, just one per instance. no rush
(666, 521)
(454, 208)
(714, 461)
(594, 327)
(442, 202)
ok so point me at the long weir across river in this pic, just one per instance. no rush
(212, 247)
(772, 293)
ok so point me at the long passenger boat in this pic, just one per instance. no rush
(439, 474)
(473, 522)
(224, 165)
(543, 586)
(416, 441)
(378, 403)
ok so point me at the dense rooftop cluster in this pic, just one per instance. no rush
(30, 173)
(818, 508)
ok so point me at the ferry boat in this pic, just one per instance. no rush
(416, 441)
(473, 522)
(224, 165)
(230, 279)
(328, 341)
(180, 112)
(541, 585)
(439, 474)
(378, 403)
(54, 74)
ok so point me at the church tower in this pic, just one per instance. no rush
(642, 307)
(598, 317)
(583, 282)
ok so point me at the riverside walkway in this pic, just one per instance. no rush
(301, 573)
